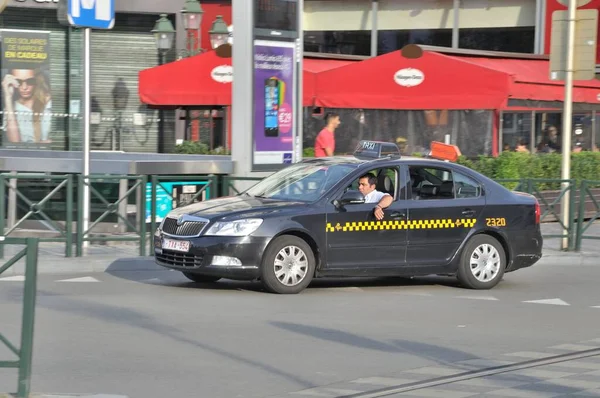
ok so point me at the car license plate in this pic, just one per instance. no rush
(176, 245)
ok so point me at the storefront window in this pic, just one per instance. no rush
(338, 42)
(516, 132)
(413, 131)
(35, 111)
(582, 131)
(43, 109)
(392, 40)
(596, 146)
(206, 126)
(518, 40)
(548, 132)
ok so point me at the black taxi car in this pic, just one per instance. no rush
(310, 221)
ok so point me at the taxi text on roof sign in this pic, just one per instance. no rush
(376, 150)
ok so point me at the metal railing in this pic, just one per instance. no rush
(112, 208)
(228, 184)
(25, 352)
(209, 188)
(582, 225)
(59, 184)
(162, 191)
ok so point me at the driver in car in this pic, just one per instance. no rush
(366, 186)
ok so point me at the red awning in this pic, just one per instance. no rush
(205, 79)
(531, 81)
(434, 81)
(448, 82)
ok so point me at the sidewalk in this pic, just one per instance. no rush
(125, 256)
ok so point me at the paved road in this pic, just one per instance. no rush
(154, 334)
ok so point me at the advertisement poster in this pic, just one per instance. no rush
(561, 5)
(26, 90)
(181, 191)
(274, 91)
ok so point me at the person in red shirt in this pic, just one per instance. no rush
(325, 142)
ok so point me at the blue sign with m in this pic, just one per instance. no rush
(96, 14)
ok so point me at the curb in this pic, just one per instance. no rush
(87, 265)
(571, 259)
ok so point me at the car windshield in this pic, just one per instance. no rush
(304, 182)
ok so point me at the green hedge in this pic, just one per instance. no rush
(198, 148)
(514, 165)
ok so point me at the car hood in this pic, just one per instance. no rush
(234, 207)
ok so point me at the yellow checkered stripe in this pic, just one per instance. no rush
(356, 226)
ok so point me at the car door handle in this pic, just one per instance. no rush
(398, 214)
(468, 212)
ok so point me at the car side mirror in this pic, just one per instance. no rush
(350, 198)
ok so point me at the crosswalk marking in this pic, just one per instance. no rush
(382, 381)
(86, 279)
(488, 298)
(554, 301)
(325, 392)
(18, 278)
(573, 347)
(528, 354)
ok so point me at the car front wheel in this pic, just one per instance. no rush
(288, 265)
(482, 263)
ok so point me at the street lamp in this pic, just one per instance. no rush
(164, 35)
(192, 21)
(219, 34)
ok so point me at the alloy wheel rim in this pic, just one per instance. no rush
(290, 266)
(485, 263)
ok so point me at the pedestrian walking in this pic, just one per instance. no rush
(325, 142)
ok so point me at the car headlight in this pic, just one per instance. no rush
(234, 228)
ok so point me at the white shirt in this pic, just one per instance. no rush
(374, 197)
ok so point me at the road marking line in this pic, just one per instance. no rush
(573, 347)
(435, 393)
(382, 381)
(528, 354)
(436, 371)
(86, 279)
(488, 298)
(555, 301)
(440, 381)
(18, 278)
(325, 392)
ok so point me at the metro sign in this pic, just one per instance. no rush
(562, 5)
(97, 14)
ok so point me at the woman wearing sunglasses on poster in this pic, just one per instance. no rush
(27, 106)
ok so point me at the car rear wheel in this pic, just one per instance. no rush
(288, 265)
(199, 278)
(482, 263)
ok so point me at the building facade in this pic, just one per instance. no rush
(345, 26)
(120, 122)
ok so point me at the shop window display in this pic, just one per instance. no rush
(413, 130)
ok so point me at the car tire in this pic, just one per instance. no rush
(199, 278)
(482, 263)
(288, 265)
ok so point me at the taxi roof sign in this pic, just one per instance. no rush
(376, 150)
(442, 151)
